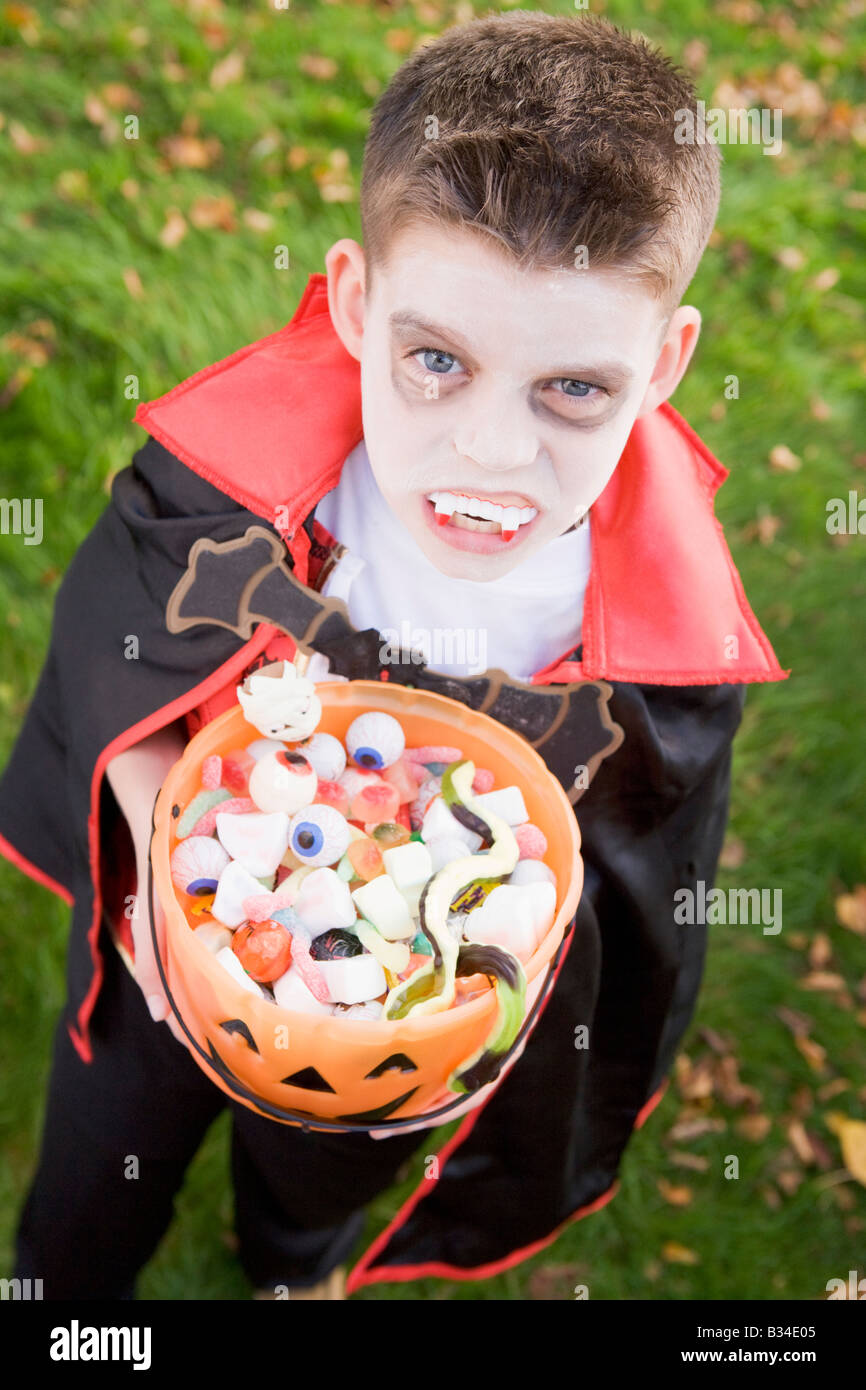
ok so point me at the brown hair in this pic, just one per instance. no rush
(548, 133)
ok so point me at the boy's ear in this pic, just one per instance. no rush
(345, 265)
(674, 356)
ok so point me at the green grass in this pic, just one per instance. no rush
(82, 212)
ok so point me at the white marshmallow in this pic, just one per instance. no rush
(258, 839)
(213, 936)
(531, 871)
(353, 979)
(235, 884)
(505, 802)
(516, 917)
(324, 901)
(372, 1009)
(382, 903)
(438, 823)
(292, 993)
(445, 850)
(409, 866)
(229, 960)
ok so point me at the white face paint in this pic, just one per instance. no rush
(523, 395)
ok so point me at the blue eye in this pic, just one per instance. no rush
(307, 839)
(319, 835)
(368, 757)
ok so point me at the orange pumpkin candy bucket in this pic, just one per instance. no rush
(327, 1072)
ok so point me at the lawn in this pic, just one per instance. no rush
(128, 263)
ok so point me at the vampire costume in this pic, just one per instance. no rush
(208, 564)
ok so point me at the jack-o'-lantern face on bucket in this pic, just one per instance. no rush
(349, 1071)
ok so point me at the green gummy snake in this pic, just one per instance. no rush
(431, 988)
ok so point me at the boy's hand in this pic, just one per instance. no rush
(146, 969)
(135, 777)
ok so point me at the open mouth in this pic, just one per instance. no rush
(463, 512)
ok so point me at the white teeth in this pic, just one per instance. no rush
(446, 503)
(509, 518)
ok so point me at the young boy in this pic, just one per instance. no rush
(465, 427)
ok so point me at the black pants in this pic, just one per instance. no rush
(119, 1134)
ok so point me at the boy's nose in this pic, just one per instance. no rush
(497, 446)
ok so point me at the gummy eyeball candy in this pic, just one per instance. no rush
(375, 740)
(327, 755)
(197, 863)
(283, 781)
(319, 835)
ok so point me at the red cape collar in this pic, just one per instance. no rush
(272, 425)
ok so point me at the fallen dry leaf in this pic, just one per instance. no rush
(679, 1254)
(678, 1196)
(175, 228)
(23, 141)
(820, 951)
(821, 979)
(790, 257)
(782, 460)
(815, 1054)
(227, 70)
(754, 1127)
(851, 910)
(825, 279)
(695, 1082)
(798, 1023)
(796, 940)
(799, 1141)
(132, 281)
(184, 151)
(771, 1197)
(697, 1162)
(214, 211)
(789, 1180)
(729, 1088)
(257, 220)
(717, 1041)
(823, 1156)
(833, 1088)
(802, 1101)
(693, 1128)
(852, 1141)
(120, 97)
(315, 65)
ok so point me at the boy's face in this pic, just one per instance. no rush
(513, 388)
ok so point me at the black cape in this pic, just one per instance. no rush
(547, 1145)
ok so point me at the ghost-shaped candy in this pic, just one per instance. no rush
(280, 703)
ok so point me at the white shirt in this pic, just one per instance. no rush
(520, 622)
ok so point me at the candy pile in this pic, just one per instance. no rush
(369, 880)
